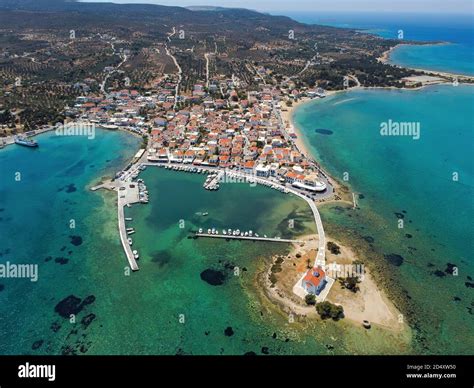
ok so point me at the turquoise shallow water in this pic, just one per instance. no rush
(139, 314)
(35, 219)
(399, 177)
(166, 307)
(457, 58)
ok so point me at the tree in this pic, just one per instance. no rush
(310, 299)
(351, 283)
(328, 310)
(333, 248)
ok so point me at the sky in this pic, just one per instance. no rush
(429, 6)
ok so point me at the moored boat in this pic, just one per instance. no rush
(23, 141)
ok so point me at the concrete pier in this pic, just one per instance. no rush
(123, 238)
(127, 194)
(253, 238)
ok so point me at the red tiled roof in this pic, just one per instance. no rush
(314, 276)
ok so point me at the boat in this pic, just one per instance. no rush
(128, 219)
(21, 140)
(130, 242)
(205, 213)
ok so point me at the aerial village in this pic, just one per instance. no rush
(201, 130)
(201, 133)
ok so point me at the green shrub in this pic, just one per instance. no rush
(310, 299)
(328, 310)
(333, 248)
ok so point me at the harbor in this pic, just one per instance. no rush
(217, 176)
(130, 192)
(131, 189)
(25, 139)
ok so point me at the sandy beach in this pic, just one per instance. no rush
(287, 116)
(385, 57)
(429, 78)
(287, 113)
(340, 191)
